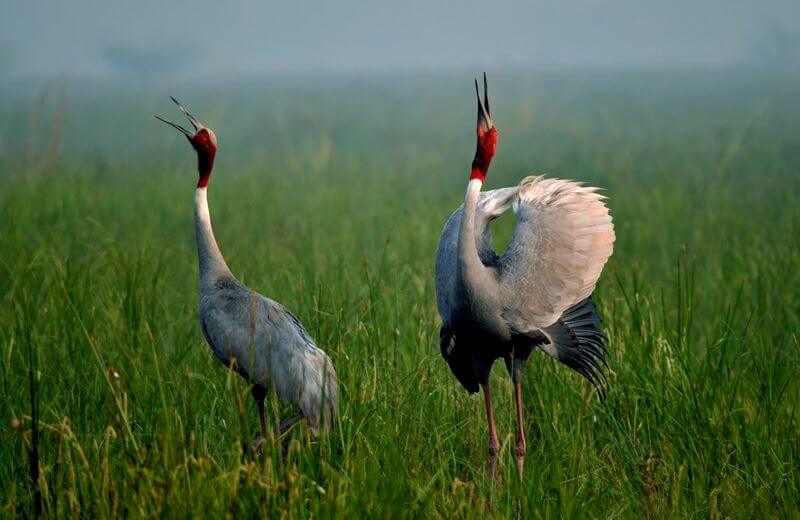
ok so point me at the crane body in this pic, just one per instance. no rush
(258, 337)
(536, 295)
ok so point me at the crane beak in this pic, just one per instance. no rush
(195, 123)
(484, 116)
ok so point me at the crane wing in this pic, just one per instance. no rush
(563, 238)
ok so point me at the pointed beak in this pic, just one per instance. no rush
(195, 123)
(484, 116)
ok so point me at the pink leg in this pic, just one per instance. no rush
(494, 443)
(259, 394)
(288, 423)
(521, 445)
(262, 418)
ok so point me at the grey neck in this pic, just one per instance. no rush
(475, 276)
(212, 264)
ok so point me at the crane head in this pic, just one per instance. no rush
(487, 135)
(203, 140)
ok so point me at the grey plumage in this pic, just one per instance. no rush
(263, 340)
(256, 336)
(576, 340)
(535, 295)
(491, 205)
(527, 297)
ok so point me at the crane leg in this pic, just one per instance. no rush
(260, 394)
(494, 443)
(521, 445)
(262, 418)
(288, 423)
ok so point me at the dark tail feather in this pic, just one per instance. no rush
(578, 342)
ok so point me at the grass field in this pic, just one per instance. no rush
(328, 195)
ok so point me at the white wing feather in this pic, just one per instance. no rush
(563, 238)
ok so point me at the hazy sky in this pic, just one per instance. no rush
(205, 37)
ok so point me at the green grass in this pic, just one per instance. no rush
(329, 195)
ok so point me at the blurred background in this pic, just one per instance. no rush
(149, 40)
(61, 55)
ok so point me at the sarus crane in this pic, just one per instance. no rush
(537, 294)
(258, 337)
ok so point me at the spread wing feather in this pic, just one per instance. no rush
(563, 238)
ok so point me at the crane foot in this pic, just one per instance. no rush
(257, 445)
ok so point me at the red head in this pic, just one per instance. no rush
(487, 135)
(202, 140)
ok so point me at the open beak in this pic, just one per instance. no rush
(195, 123)
(484, 116)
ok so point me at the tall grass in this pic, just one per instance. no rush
(330, 199)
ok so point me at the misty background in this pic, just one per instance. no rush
(81, 80)
(151, 39)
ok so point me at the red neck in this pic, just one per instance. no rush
(202, 181)
(205, 145)
(487, 144)
(205, 163)
(477, 173)
(205, 175)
